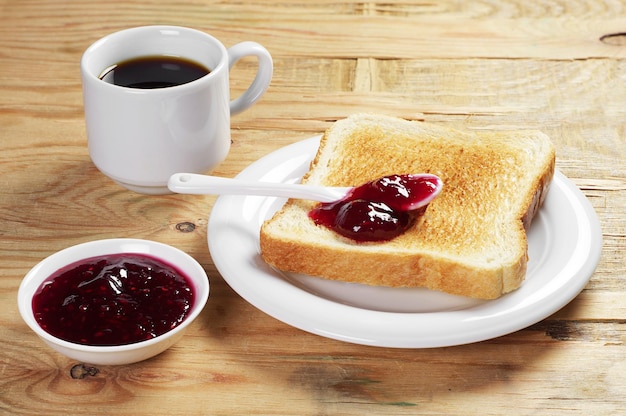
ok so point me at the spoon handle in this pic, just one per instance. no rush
(192, 183)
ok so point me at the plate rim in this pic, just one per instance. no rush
(290, 313)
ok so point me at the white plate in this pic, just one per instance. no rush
(564, 248)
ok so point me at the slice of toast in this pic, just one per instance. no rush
(471, 240)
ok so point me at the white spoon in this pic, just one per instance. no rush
(192, 183)
(429, 186)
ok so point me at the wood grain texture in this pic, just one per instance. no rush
(558, 66)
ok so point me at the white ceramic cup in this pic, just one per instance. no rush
(140, 137)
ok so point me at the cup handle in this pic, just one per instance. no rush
(262, 78)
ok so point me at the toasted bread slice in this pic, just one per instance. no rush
(471, 240)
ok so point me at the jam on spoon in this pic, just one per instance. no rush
(113, 300)
(379, 210)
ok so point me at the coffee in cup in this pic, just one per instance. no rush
(154, 72)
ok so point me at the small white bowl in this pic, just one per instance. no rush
(119, 354)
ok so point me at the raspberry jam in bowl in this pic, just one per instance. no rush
(114, 301)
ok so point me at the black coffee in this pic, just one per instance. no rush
(154, 72)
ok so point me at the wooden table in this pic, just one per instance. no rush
(503, 64)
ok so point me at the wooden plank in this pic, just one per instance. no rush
(341, 30)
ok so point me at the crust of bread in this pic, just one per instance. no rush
(471, 241)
